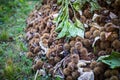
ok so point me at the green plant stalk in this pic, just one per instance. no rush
(64, 26)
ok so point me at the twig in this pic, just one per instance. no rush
(43, 47)
(36, 75)
(59, 63)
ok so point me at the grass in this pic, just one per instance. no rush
(4, 36)
(14, 65)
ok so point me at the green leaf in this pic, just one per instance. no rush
(59, 1)
(63, 31)
(60, 26)
(4, 36)
(76, 31)
(79, 24)
(77, 6)
(112, 60)
(22, 46)
(72, 30)
(62, 16)
(94, 6)
(80, 32)
(57, 78)
(21, 0)
(69, 29)
(82, 1)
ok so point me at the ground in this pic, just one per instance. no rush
(14, 65)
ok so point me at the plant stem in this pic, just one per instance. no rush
(36, 75)
(72, 9)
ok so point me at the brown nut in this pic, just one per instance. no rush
(107, 73)
(66, 72)
(116, 44)
(78, 45)
(96, 33)
(86, 42)
(39, 64)
(92, 29)
(57, 59)
(87, 34)
(84, 51)
(101, 53)
(93, 64)
(66, 46)
(112, 37)
(29, 54)
(114, 78)
(37, 49)
(69, 78)
(97, 70)
(114, 72)
(71, 66)
(75, 74)
(104, 45)
(102, 36)
(72, 43)
(75, 58)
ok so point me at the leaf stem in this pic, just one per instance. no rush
(72, 9)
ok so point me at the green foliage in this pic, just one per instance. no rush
(14, 71)
(4, 36)
(13, 14)
(112, 60)
(1, 51)
(47, 77)
(58, 78)
(7, 8)
(65, 26)
(9, 72)
(79, 4)
(22, 46)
